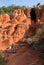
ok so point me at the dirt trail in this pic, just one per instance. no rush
(23, 56)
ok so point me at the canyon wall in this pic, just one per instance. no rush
(15, 29)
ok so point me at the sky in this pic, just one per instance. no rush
(29, 3)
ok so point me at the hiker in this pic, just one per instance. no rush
(13, 48)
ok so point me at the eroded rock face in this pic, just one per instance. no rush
(39, 14)
(4, 41)
(15, 29)
(27, 12)
(11, 31)
(19, 15)
(22, 25)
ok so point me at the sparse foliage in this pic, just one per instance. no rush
(2, 60)
(9, 10)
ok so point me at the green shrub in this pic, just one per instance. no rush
(39, 45)
(40, 30)
(2, 60)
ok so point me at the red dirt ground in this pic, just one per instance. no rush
(24, 56)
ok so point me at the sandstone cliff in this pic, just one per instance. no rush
(15, 29)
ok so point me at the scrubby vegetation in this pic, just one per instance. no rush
(3, 61)
(9, 10)
(39, 45)
(40, 30)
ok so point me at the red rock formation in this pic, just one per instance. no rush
(1, 20)
(15, 29)
(39, 14)
(22, 25)
(27, 12)
(12, 31)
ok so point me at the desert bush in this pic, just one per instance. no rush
(9, 10)
(2, 60)
(40, 31)
(39, 46)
